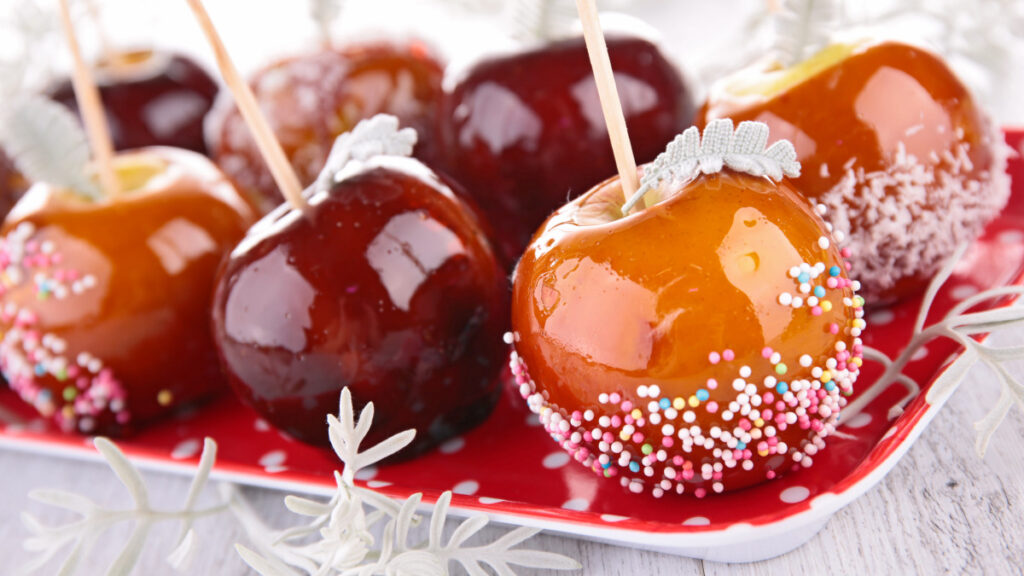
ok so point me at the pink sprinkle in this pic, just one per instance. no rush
(745, 424)
(833, 328)
(728, 355)
(677, 460)
(614, 398)
(847, 266)
(714, 358)
(613, 472)
(688, 474)
(616, 421)
(770, 475)
(768, 397)
(846, 252)
(831, 283)
(638, 437)
(712, 383)
(816, 311)
(577, 415)
(627, 406)
(766, 352)
(667, 442)
(700, 492)
(588, 436)
(608, 437)
(780, 405)
(767, 414)
(716, 476)
(712, 406)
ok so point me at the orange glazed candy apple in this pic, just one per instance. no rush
(891, 142)
(703, 343)
(104, 303)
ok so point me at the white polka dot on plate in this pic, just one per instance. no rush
(859, 421)
(273, 461)
(556, 460)
(532, 420)
(1011, 237)
(794, 494)
(367, 473)
(261, 425)
(452, 446)
(697, 521)
(963, 292)
(881, 318)
(921, 354)
(186, 449)
(612, 518)
(488, 501)
(377, 484)
(466, 487)
(577, 504)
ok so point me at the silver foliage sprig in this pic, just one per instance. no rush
(961, 326)
(83, 534)
(742, 150)
(345, 544)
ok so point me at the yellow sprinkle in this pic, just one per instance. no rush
(623, 436)
(763, 452)
(856, 361)
(636, 413)
(679, 403)
(826, 376)
(68, 411)
(826, 305)
(759, 422)
(164, 397)
(694, 402)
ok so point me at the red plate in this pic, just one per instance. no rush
(509, 468)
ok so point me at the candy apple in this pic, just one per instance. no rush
(892, 142)
(703, 343)
(104, 303)
(311, 98)
(151, 98)
(385, 284)
(524, 132)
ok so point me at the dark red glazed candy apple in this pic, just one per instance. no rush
(311, 98)
(151, 98)
(385, 284)
(524, 132)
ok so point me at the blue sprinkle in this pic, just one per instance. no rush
(833, 271)
(607, 465)
(819, 291)
(44, 395)
(782, 387)
(703, 395)
(830, 385)
(741, 445)
(40, 370)
(803, 278)
(634, 467)
(665, 403)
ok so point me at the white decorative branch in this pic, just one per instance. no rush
(742, 150)
(961, 326)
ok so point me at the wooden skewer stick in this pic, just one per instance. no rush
(89, 104)
(282, 171)
(609, 95)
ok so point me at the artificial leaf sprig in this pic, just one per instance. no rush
(963, 327)
(83, 534)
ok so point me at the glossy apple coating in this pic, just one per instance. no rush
(151, 98)
(703, 344)
(12, 184)
(312, 98)
(525, 132)
(105, 304)
(385, 285)
(893, 143)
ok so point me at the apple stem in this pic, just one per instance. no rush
(280, 168)
(88, 97)
(609, 96)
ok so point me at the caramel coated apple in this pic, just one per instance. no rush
(312, 98)
(385, 284)
(892, 142)
(105, 303)
(524, 132)
(151, 98)
(705, 343)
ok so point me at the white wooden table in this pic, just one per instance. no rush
(942, 510)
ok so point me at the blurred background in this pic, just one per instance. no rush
(982, 39)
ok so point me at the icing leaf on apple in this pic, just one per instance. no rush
(376, 136)
(47, 144)
(742, 150)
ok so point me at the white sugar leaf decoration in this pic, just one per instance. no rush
(376, 136)
(325, 13)
(47, 144)
(743, 151)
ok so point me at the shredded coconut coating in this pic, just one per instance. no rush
(903, 222)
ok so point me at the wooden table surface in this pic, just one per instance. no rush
(941, 511)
